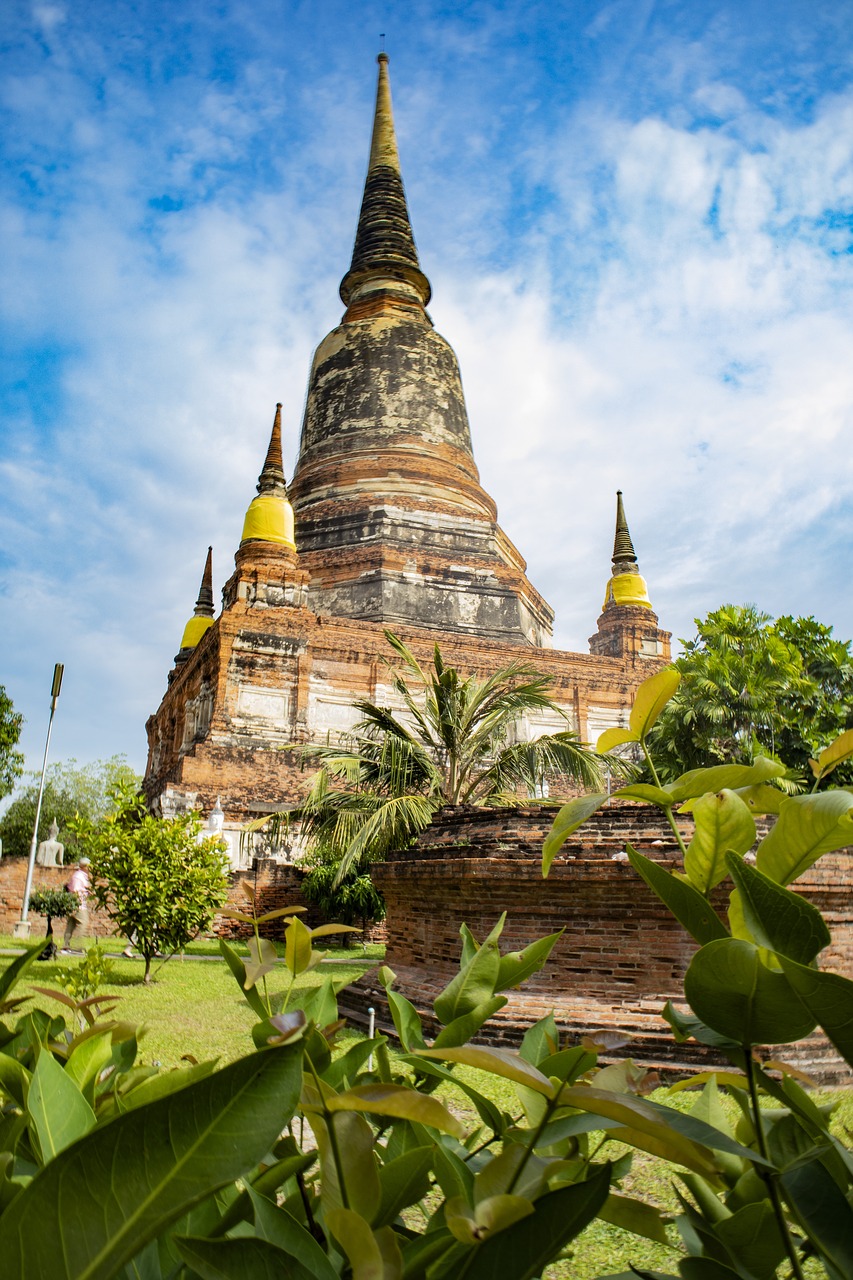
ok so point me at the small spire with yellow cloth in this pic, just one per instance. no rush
(270, 515)
(626, 585)
(202, 618)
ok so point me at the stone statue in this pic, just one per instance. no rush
(50, 852)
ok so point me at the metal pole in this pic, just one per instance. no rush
(371, 1027)
(22, 927)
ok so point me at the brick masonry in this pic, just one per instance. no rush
(621, 955)
(275, 885)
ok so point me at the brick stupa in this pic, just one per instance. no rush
(384, 524)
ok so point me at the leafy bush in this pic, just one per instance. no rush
(154, 878)
(303, 1159)
(752, 983)
(55, 904)
(83, 980)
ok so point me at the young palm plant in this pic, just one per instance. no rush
(450, 744)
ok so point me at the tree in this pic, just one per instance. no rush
(352, 900)
(69, 789)
(753, 686)
(54, 904)
(11, 760)
(152, 876)
(452, 744)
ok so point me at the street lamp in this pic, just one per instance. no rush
(22, 926)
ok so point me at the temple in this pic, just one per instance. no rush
(384, 525)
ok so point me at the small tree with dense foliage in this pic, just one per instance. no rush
(55, 904)
(352, 900)
(751, 686)
(11, 760)
(153, 877)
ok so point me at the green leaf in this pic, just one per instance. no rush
(367, 1251)
(58, 1111)
(87, 1060)
(540, 1040)
(523, 1250)
(829, 997)
(473, 985)
(263, 958)
(14, 1080)
(570, 817)
(650, 700)
(355, 1141)
(486, 1109)
(164, 1083)
(470, 945)
(723, 824)
(777, 918)
(513, 1167)
(279, 1228)
(400, 1101)
(297, 947)
(404, 1182)
(762, 799)
(346, 1067)
(690, 908)
(320, 1003)
(731, 990)
(16, 970)
(752, 1238)
(704, 1269)
(461, 1029)
(807, 827)
(724, 777)
(499, 1062)
(407, 1020)
(646, 793)
(77, 1221)
(245, 1258)
(634, 1215)
(649, 1127)
(279, 911)
(612, 738)
(824, 1212)
(836, 753)
(517, 966)
(235, 964)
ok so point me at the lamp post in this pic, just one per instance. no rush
(22, 926)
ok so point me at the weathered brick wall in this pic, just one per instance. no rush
(276, 885)
(621, 954)
(13, 874)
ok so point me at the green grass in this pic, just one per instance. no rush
(192, 1007)
(195, 1008)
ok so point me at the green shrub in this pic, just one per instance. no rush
(308, 1158)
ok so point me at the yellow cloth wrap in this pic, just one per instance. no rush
(269, 519)
(194, 630)
(627, 588)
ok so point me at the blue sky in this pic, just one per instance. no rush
(638, 223)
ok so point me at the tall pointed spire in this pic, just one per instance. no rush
(202, 618)
(626, 586)
(384, 255)
(271, 478)
(270, 515)
(623, 547)
(204, 603)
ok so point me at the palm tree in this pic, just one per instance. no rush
(449, 745)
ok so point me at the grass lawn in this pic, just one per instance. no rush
(195, 1008)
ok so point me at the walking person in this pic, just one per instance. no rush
(79, 918)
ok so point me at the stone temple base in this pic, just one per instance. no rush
(621, 956)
